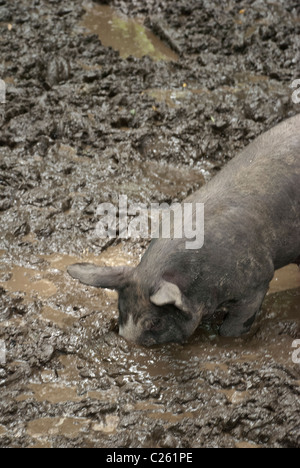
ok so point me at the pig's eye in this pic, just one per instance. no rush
(153, 324)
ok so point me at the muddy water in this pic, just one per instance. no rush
(189, 91)
(30, 282)
(286, 278)
(162, 382)
(128, 36)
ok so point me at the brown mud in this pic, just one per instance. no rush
(85, 121)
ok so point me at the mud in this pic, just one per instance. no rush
(85, 121)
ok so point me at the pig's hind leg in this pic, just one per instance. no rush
(242, 314)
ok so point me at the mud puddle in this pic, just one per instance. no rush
(128, 36)
(242, 88)
(29, 282)
(285, 279)
(64, 303)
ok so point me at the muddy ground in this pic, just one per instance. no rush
(83, 123)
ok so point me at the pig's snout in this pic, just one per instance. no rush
(130, 330)
(141, 332)
(157, 330)
(162, 317)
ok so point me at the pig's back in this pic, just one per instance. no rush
(258, 193)
(268, 165)
(253, 203)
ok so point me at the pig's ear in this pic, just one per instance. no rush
(100, 277)
(169, 293)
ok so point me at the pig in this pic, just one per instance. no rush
(252, 228)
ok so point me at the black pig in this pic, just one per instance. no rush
(252, 227)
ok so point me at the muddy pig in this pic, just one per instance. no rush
(252, 227)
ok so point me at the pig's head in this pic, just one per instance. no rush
(147, 315)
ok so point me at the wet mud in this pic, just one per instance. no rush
(85, 121)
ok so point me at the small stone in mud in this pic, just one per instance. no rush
(45, 232)
(22, 230)
(58, 70)
(170, 441)
(46, 353)
(66, 205)
(90, 76)
(5, 15)
(5, 204)
(4, 277)
(43, 145)
(5, 314)
(109, 425)
(2, 431)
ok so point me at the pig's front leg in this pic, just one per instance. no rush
(242, 314)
